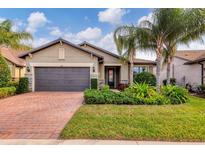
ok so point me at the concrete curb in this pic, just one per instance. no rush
(89, 142)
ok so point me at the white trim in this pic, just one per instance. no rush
(62, 64)
(112, 64)
(33, 79)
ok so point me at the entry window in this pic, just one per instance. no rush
(111, 76)
(140, 69)
(61, 53)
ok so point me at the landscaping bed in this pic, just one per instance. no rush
(184, 122)
(137, 94)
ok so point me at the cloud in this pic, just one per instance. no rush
(55, 31)
(40, 41)
(112, 16)
(148, 17)
(107, 42)
(36, 20)
(194, 45)
(2, 19)
(89, 33)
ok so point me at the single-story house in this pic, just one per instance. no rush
(16, 65)
(187, 67)
(63, 66)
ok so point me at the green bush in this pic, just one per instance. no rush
(7, 91)
(13, 84)
(5, 74)
(94, 83)
(145, 77)
(176, 95)
(138, 94)
(172, 81)
(23, 85)
(106, 88)
(107, 97)
(201, 89)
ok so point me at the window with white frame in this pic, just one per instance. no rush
(61, 53)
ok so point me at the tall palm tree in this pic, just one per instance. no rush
(126, 42)
(13, 39)
(156, 32)
(190, 27)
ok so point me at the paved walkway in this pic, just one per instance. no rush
(92, 142)
(38, 115)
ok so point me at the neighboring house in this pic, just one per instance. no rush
(63, 66)
(16, 65)
(187, 67)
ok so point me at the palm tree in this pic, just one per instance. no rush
(190, 27)
(13, 39)
(164, 23)
(126, 42)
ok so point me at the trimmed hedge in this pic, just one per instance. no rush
(137, 94)
(5, 74)
(7, 91)
(145, 77)
(23, 85)
(94, 83)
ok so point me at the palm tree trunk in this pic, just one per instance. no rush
(131, 67)
(168, 71)
(158, 70)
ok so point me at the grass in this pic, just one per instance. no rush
(184, 122)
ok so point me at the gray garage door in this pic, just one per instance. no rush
(62, 79)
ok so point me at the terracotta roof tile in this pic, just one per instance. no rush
(190, 54)
(11, 55)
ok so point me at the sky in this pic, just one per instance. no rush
(78, 25)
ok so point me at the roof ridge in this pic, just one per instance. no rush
(99, 48)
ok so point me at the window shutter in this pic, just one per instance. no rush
(61, 54)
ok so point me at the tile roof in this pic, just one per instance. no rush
(11, 55)
(190, 55)
(59, 40)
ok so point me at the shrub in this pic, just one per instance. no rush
(141, 90)
(106, 88)
(145, 77)
(172, 81)
(201, 89)
(176, 95)
(13, 84)
(94, 83)
(5, 74)
(23, 85)
(7, 91)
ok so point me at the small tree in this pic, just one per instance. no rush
(5, 74)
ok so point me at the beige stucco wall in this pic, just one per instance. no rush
(183, 73)
(110, 60)
(49, 57)
(15, 70)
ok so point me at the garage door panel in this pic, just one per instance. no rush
(62, 79)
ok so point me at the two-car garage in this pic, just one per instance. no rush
(62, 78)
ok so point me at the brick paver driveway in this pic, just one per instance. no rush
(38, 115)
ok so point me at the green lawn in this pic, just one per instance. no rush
(184, 122)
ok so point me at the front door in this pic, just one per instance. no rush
(111, 77)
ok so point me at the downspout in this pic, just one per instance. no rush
(202, 73)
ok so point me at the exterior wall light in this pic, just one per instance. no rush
(93, 69)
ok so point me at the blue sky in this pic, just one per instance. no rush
(76, 25)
